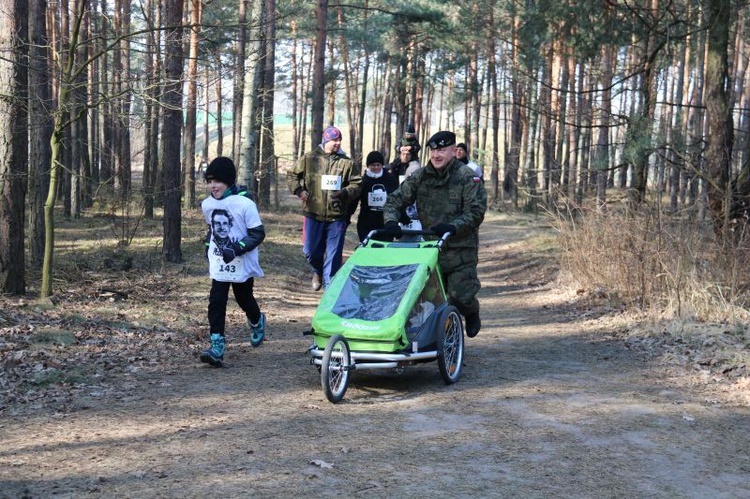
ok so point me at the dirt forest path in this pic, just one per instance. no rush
(551, 404)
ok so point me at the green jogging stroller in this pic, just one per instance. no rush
(386, 308)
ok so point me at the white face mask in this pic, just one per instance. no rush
(372, 174)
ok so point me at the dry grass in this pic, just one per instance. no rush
(671, 266)
(678, 294)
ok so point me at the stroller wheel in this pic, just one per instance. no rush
(334, 372)
(450, 345)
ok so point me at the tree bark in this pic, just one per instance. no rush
(60, 125)
(268, 163)
(253, 83)
(218, 92)
(153, 81)
(106, 168)
(79, 164)
(318, 83)
(239, 81)
(191, 107)
(601, 152)
(495, 99)
(13, 143)
(126, 86)
(296, 70)
(718, 114)
(170, 155)
(510, 183)
(40, 128)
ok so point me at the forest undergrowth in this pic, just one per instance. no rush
(683, 296)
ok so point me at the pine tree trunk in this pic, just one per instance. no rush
(191, 105)
(600, 157)
(172, 130)
(13, 143)
(106, 169)
(151, 134)
(218, 94)
(126, 169)
(250, 103)
(40, 131)
(718, 115)
(495, 99)
(296, 99)
(318, 81)
(239, 81)
(268, 163)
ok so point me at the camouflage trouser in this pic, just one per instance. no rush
(459, 267)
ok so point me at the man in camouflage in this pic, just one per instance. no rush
(451, 198)
(325, 180)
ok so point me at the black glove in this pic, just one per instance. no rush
(207, 240)
(338, 199)
(340, 196)
(441, 229)
(393, 229)
(231, 251)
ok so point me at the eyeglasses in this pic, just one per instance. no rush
(375, 165)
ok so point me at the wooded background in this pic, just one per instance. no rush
(113, 103)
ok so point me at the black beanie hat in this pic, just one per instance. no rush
(375, 157)
(410, 133)
(221, 169)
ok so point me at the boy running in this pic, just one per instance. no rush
(234, 232)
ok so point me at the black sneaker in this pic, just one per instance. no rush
(317, 282)
(473, 325)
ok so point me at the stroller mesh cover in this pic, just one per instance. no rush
(373, 293)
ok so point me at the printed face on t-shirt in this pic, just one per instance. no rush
(221, 225)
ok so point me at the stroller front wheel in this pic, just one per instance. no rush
(334, 372)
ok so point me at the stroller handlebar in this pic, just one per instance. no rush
(409, 232)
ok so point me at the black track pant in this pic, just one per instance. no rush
(217, 303)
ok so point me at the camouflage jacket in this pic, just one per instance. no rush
(453, 195)
(307, 175)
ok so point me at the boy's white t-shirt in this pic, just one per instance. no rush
(229, 219)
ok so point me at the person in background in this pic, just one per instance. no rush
(403, 167)
(235, 231)
(410, 140)
(462, 154)
(408, 160)
(374, 190)
(325, 180)
(451, 199)
(202, 166)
